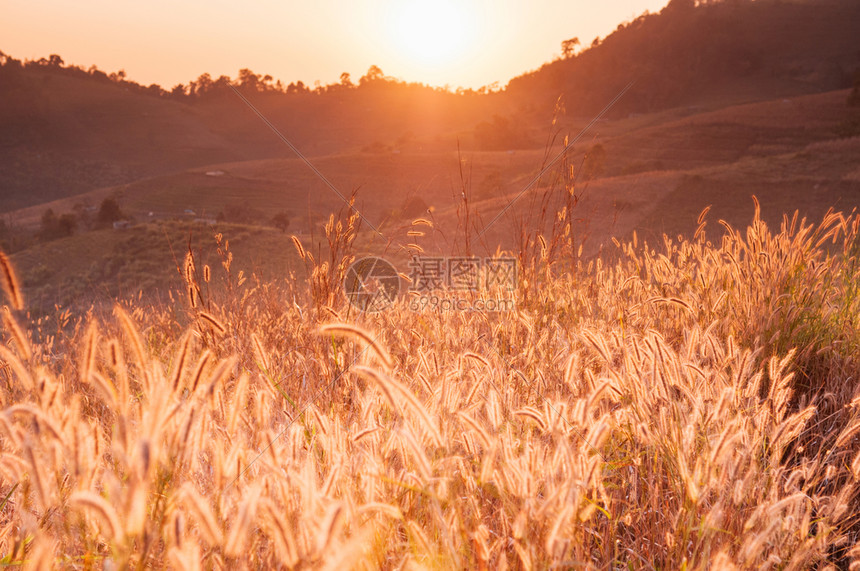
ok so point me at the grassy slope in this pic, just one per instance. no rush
(97, 267)
(67, 135)
(693, 407)
(787, 152)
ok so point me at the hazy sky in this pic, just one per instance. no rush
(466, 43)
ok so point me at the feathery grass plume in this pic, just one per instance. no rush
(362, 433)
(41, 557)
(474, 425)
(105, 388)
(192, 296)
(421, 460)
(260, 352)
(88, 359)
(17, 367)
(10, 282)
(478, 358)
(358, 333)
(202, 512)
(204, 359)
(36, 472)
(135, 515)
(18, 336)
(188, 268)
(285, 543)
(847, 434)
(238, 402)
(533, 414)
(426, 384)
(217, 378)
(386, 509)
(476, 386)
(417, 536)
(242, 524)
(217, 325)
(298, 244)
(131, 333)
(329, 528)
(394, 391)
(96, 504)
(179, 361)
(10, 430)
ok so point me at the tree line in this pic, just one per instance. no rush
(207, 86)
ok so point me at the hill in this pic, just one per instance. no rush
(656, 173)
(66, 131)
(706, 53)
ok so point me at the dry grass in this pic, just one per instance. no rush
(690, 406)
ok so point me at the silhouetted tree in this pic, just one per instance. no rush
(374, 74)
(249, 80)
(281, 220)
(680, 6)
(53, 227)
(568, 47)
(109, 212)
(594, 162)
(67, 224)
(178, 91)
(202, 85)
(49, 224)
(297, 87)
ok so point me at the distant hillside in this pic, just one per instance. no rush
(701, 52)
(63, 135)
(65, 131)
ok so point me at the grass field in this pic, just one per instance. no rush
(659, 171)
(688, 405)
(99, 266)
(670, 379)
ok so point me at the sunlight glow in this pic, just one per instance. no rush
(431, 33)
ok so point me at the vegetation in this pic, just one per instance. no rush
(700, 49)
(690, 55)
(691, 404)
(686, 402)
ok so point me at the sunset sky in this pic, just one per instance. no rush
(466, 43)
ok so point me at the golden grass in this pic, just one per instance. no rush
(695, 405)
(10, 282)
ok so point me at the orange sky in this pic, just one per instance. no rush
(466, 43)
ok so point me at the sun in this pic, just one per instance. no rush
(430, 33)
